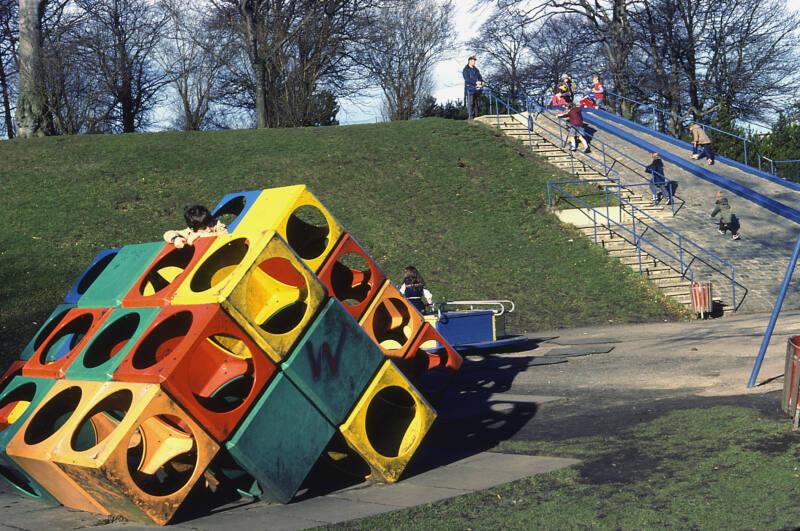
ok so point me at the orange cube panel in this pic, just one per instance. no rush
(15, 369)
(56, 353)
(205, 361)
(354, 287)
(391, 321)
(33, 445)
(169, 269)
(431, 372)
(145, 456)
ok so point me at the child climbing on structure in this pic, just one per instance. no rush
(413, 288)
(727, 220)
(201, 224)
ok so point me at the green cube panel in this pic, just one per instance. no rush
(120, 275)
(334, 362)
(20, 390)
(280, 439)
(111, 343)
(49, 324)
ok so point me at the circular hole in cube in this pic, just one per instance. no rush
(162, 340)
(219, 265)
(101, 420)
(231, 209)
(351, 279)
(389, 416)
(162, 455)
(19, 481)
(276, 296)
(111, 340)
(15, 403)
(307, 232)
(66, 339)
(391, 324)
(49, 418)
(48, 328)
(166, 270)
(221, 373)
(94, 271)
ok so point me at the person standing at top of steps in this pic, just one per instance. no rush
(658, 183)
(701, 143)
(727, 220)
(473, 84)
(575, 118)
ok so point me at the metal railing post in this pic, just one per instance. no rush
(745, 150)
(774, 317)
(733, 284)
(549, 202)
(594, 221)
(608, 217)
(680, 253)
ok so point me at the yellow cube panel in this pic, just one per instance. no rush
(299, 218)
(262, 285)
(388, 423)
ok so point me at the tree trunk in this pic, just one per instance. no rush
(33, 116)
(6, 101)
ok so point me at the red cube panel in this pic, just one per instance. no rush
(392, 322)
(205, 361)
(169, 269)
(354, 287)
(431, 372)
(65, 342)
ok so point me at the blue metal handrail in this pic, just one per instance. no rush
(668, 183)
(665, 112)
(681, 244)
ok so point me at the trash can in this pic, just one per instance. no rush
(791, 377)
(701, 298)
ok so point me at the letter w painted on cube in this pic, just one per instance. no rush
(325, 353)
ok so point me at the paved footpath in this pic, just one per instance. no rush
(563, 379)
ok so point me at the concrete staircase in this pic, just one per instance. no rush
(617, 242)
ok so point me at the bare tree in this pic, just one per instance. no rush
(291, 50)
(9, 36)
(33, 116)
(122, 37)
(407, 38)
(194, 55)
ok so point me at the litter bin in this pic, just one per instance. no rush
(791, 377)
(701, 298)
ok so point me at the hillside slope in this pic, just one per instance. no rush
(463, 204)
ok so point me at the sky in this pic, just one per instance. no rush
(447, 74)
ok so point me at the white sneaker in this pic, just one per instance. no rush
(721, 231)
(735, 237)
(695, 156)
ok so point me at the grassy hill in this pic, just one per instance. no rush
(460, 202)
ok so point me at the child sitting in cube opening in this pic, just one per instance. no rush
(201, 225)
(413, 288)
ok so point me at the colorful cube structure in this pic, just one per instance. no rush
(172, 373)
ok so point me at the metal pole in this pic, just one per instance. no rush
(594, 220)
(733, 283)
(745, 150)
(549, 202)
(774, 317)
(608, 217)
(680, 252)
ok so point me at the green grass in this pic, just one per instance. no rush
(723, 467)
(462, 203)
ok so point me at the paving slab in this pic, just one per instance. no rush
(572, 352)
(403, 494)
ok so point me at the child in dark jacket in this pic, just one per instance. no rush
(727, 220)
(658, 183)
